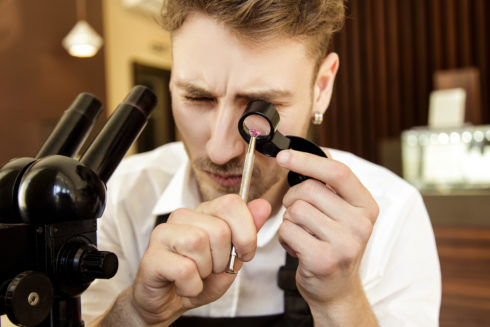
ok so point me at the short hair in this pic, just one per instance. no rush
(314, 21)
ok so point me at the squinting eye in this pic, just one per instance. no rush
(198, 99)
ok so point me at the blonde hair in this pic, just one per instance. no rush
(314, 21)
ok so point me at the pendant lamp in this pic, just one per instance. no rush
(82, 41)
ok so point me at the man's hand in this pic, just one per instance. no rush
(184, 265)
(327, 226)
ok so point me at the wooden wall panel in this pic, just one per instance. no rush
(393, 43)
(38, 78)
(465, 266)
(353, 84)
(389, 51)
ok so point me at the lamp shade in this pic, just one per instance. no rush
(82, 41)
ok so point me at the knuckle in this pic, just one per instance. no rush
(308, 186)
(158, 234)
(229, 201)
(285, 228)
(297, 208)
(341, 172)
(157, 230)
(350, 253)
(150, 259)
(196, 241)
(326, 266)
(351, 249)
(222, 232)
(365, 228)
(147, 256)
(186, 270)
(177, 215)
(332, 261)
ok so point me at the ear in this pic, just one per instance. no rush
(323, 87)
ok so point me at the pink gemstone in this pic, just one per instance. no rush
(254, 132)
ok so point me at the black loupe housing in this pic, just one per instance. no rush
(263, 116)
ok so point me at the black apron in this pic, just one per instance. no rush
(296, 310)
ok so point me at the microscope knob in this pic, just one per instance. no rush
(29, 298)
(98, 264)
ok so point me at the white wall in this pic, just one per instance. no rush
(130, 37)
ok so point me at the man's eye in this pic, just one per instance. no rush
(199, 99)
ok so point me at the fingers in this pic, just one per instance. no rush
(333, 173)
(218, 235)
(312, 221)
(182, 272)
(197, 237)
(315, 256)
(234, 211)
(324, 230)
(335, 217)
(327, 224)
(313, 204)
(320, 212)
(205, 235)
(320, 196)
(260, 210)
(184, 264)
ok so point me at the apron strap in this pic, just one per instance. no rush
(161, 219)
(296, 310)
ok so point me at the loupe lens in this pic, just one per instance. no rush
(257, 125)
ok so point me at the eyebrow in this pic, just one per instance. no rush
(193, 89)
(268, 95)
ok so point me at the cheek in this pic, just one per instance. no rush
(193, 128)
(296, 123)
(267, 165)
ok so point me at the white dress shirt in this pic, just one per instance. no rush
(400, 268)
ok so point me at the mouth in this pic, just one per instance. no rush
(227, 180)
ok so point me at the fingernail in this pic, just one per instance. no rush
(283, 157)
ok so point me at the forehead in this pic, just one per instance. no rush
(211, 54)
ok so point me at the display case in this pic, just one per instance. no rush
(447, 159)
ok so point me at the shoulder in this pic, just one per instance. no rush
(153, 169)
(166, 158)
(380, 181)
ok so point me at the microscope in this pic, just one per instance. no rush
(49, 206)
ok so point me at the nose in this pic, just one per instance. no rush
(225, 142)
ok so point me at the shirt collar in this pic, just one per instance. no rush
(182, 192)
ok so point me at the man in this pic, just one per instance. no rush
(362, 236)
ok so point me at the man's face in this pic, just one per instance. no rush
(215, 74)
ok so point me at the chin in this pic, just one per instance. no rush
(209, 194)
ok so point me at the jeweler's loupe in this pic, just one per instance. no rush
(261, 118)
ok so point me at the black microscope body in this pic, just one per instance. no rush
(49, 207)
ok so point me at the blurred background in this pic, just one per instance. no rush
(412, 95)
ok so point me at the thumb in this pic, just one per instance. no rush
(260, 210)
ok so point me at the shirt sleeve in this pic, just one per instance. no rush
(102, 293)
(408, 292)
